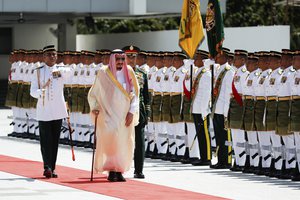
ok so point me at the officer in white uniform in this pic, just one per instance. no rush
(222, 93)
(150, 126)
(283, 115)
(295, 114)
(248, 106)
(177, 124)
(271, 92)
(201, 109)
(47, 87)
(236, 108)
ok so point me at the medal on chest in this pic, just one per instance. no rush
(158, 79)
(166, 78)
(272, 81)
(249, 82)
(262, 80)
(82, 72)
(88, 73)
(297, 81)
(176, 78)
(283, 79)
(237, 79)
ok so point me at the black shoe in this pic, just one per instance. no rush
(112, 177)
(236, 168)
(120, 177)
(184, 161)
(139, 175)
(47, 173)
(296, 177)
(54, 174)
(220, 166)
(201, 162)
(248, 170)
(174, 158)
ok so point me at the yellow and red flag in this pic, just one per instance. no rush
(191, 32)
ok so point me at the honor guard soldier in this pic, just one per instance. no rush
(160, 129)
(200, 108)
(12, 92)
(248, 113)
(283, 114)
(271, 93)
(222, 93)
(141, 61)
(139, 151)
(235, 115)
(151, 83)
(294, 124)
(177, 124)
(190, 130)
(166, 107)
(47, 87)
(264, 137)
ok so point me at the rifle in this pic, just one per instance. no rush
(70, 132)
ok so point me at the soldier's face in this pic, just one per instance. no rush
(168, 60)
(131, 59)
(50, 58)
(296, 62)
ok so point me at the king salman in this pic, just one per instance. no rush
(114, 103)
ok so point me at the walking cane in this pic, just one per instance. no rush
(94, 146)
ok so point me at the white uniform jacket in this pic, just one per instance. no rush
(51, 102)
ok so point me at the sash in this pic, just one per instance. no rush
(217, 88)
(195, 86)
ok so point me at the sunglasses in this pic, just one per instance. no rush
(122, 59)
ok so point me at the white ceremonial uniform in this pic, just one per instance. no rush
(23, 111)
(194, 152)
(221, 107)
(168, 136)
(159, 133)
(284, 90)
(51, 103)
(13, 77)
(271, 90)
(295, 91)
(264, 137)
(201, 105)
(238, 135)
(150, 126)
(178, 128)
(88, 81)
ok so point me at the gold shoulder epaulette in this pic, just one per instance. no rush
(270, 71)
(280, 71)
(184, 70)
(227, 67)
